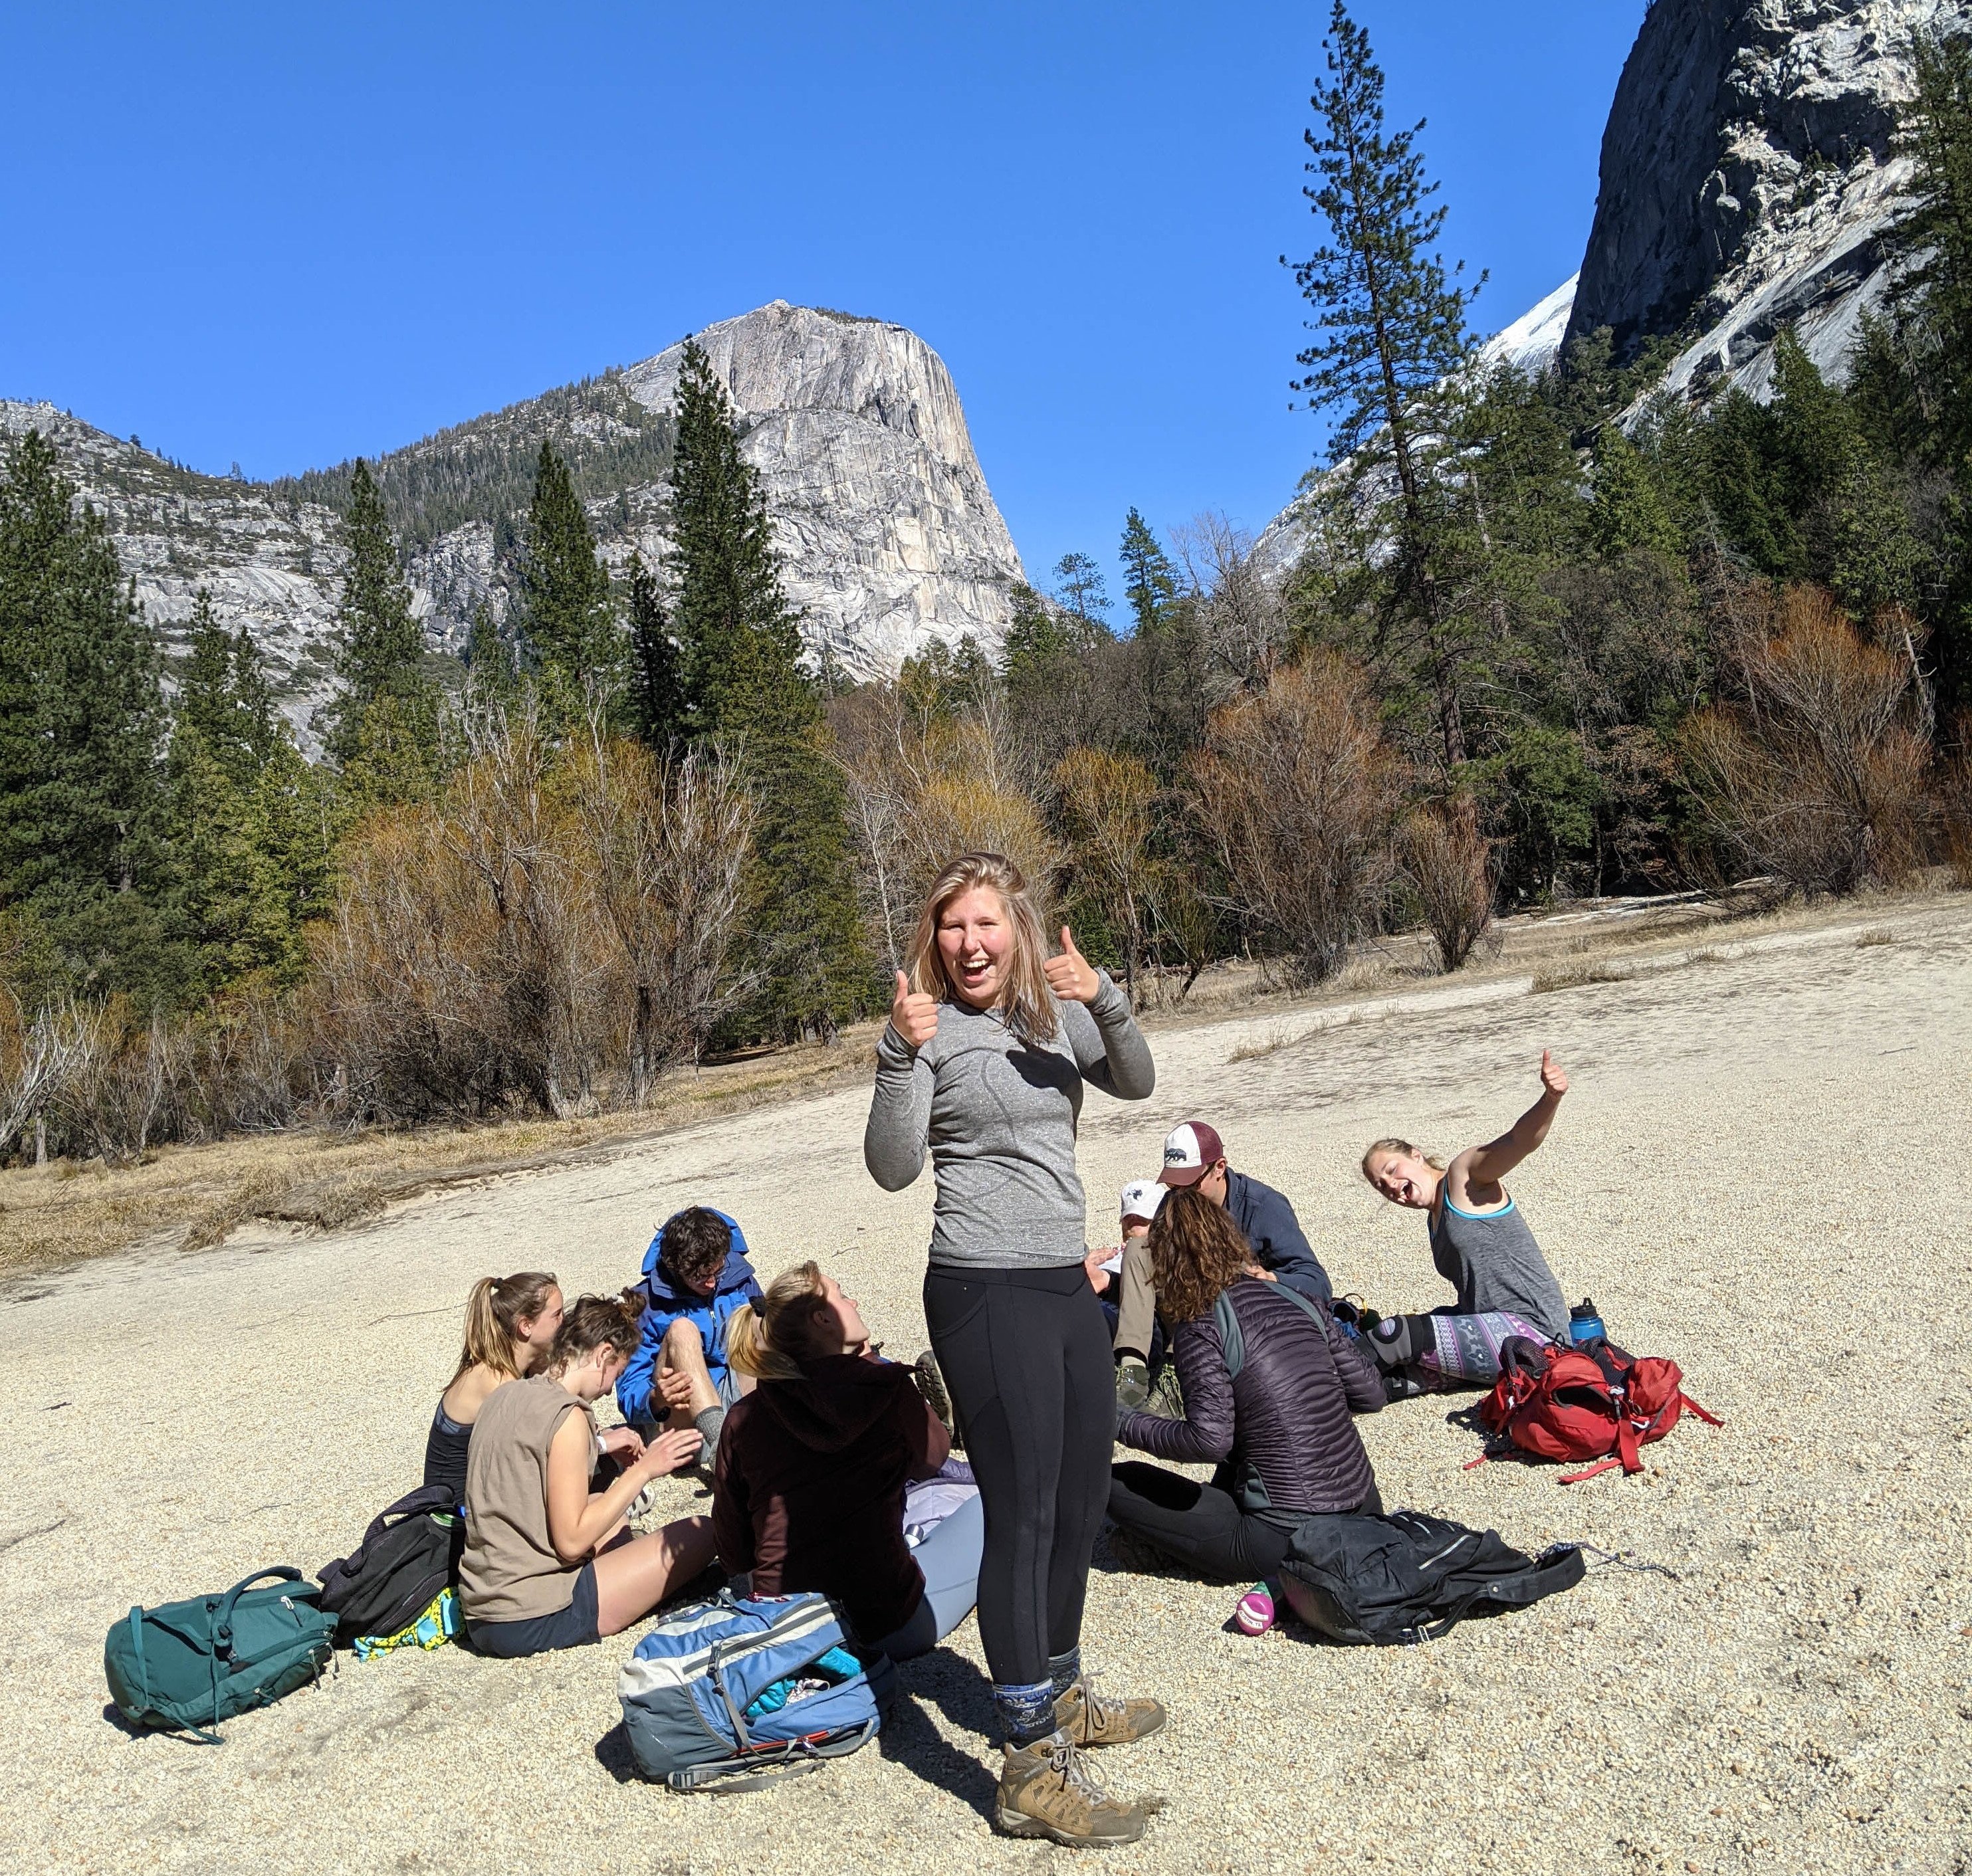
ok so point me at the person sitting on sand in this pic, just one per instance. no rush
(510, 1325)
(696, 1275)
(820, 1474)
(1482, 1247)
(1122, 1280)
(1194, 1155)
(549, 1564)
(1280, 1431)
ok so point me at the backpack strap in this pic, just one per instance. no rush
(198, 1733)
(1559, 1568)
(1711, 1420)
(1232, 1342)
(797, 1757)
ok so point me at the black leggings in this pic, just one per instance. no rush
(1026, 1358)
(1200, 1526)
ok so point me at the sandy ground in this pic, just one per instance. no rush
(1762, 1171)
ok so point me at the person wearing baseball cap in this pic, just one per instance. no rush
(1194, 1155)
(1122, 1279)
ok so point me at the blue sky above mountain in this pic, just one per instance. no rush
(281, 237)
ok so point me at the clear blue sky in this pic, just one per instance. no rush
(284, 235)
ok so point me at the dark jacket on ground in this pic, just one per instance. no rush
(1278, 1243)
(1286, 1418)
(808, 1487)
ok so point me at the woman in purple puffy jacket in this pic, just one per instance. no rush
(1280, 1430)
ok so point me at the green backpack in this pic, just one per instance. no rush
(192, 1664)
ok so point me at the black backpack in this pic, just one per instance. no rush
(1405, 1578)
(410, 1554)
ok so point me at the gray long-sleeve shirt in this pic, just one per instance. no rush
(999, 1116)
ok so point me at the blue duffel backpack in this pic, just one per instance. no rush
(732, 1694)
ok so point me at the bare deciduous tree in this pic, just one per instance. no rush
(1817, 777)
(1450, 863)
(1301, 795)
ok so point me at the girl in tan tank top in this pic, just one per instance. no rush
(538, 1541)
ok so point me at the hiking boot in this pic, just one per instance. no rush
(1084, 1717)
(1046, 1791)
(1398, 1385)
(931, 1383)
(1133, 1382)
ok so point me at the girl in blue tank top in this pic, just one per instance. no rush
(1480, 1245)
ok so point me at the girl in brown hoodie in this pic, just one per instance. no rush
(809, 1491)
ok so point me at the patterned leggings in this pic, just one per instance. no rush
(1442, 1351)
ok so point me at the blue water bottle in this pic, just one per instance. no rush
(1583, 1324)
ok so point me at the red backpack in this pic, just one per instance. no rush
(1592, 1401)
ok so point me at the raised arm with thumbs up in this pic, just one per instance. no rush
(1071, 976)
(913, 1014)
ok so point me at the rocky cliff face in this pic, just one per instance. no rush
(1748, 171)
(890, 535)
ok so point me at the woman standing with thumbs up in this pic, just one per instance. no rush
(990, 1044)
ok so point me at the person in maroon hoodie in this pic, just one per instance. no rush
(831, 1466)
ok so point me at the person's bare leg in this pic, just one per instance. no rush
(632, 1579)
(683, 1353)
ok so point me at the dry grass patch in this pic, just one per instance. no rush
(1876, 934)
(1568, 977)
(196, 1196)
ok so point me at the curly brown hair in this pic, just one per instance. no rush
(1196, 1252)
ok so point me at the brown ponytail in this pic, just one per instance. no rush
(494, 1313)
(768, 1339)
(590, 1322)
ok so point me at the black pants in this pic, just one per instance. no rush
(1026, 1358)
(1200, 1526)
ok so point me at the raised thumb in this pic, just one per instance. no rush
(904, 987)
(1068, 942)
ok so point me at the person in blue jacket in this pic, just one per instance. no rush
(1194, 1155)
(696, 1275)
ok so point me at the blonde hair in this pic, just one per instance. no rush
(1027, 1003)
(493, 1314)
(767, 1339)
(1398, 1146)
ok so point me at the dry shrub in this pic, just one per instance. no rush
(922, 788)
(1955, 806)
(1106, 800)
(552, 931)
(1450, 862)
(1817, 777)
(41, 1059)
(1300, 794)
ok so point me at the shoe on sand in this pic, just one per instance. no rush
(1089, 1719)
(931, 1383)
(1046, 1791)
(1256, 1612)
(1133, 1382)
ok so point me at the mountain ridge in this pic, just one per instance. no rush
(890, 537)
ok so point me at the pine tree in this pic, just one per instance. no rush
(490, 672)
(82, 820)
(568, 624)
(741, 652)
(250, 829)
(1078, 587)
(1394, 327)
(1392, 322)
(380, 648)
(1933, 295)
(1149, 586)
(1629, 512)
(658, 707)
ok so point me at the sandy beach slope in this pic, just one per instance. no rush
(1765, 1170)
